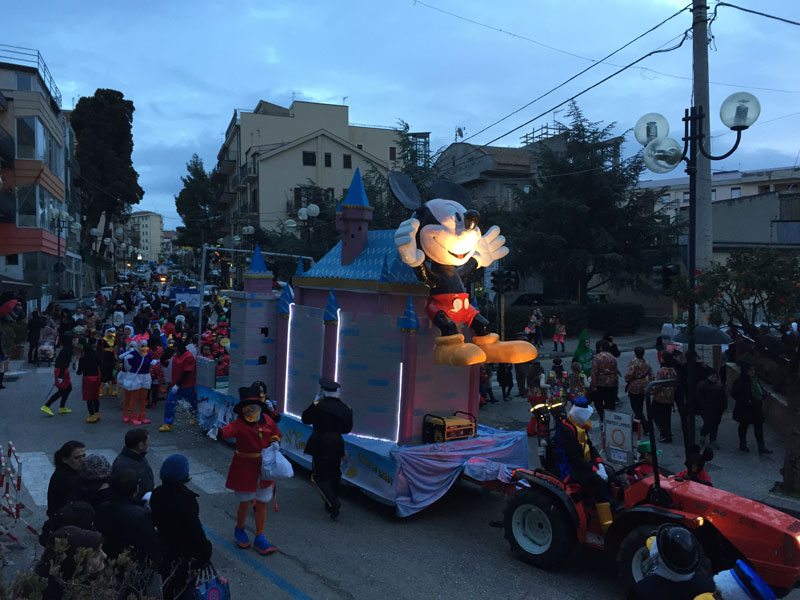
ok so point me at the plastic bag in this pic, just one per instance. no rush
(274, 465)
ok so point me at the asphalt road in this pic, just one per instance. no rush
(447, 551)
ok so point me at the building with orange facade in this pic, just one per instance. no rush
(39, 212)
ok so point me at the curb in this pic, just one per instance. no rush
(785, 504)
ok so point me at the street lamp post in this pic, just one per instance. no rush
(61, 221)
(307, 214)
(661, 155)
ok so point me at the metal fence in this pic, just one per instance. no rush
(31, 57)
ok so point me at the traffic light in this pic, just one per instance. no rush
(511, 280)
(664, 276)
(498, 281)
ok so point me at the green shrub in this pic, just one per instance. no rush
(615, 317)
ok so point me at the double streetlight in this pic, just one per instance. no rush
(661, 155)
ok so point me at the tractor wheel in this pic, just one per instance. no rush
(539, 529)
(632, 554)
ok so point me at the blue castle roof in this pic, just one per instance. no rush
(331, 308)
(409, 319)
(378, 261)
(286, 300)
(257, 264)
(356, 194)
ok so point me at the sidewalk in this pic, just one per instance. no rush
(645, 337)
(747, 474)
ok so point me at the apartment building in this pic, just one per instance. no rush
(39, 216)
(271, 152)
(167, 241)
(725, 185)
(148, 228)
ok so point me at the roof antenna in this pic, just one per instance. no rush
(344, 99)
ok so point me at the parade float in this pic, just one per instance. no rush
(362, 316)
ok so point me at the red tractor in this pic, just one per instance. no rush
(545, 519)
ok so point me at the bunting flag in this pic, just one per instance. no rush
(409, 320)
(331, 314)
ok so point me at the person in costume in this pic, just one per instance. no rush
(330, 418)
(89, 368)
(578, 460)
(638, 375)
(537, 397)
(741, 583)
(137, 383)
(583, 353)
(254, 431)
(646, 456)
(696, 465)
(183, 376)
(108, 361)
(63, 383)
(675, 572)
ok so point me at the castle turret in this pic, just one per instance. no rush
(258, 278)
(352, 220)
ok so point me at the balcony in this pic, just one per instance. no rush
(237, 181)
(244, 216)
(250, 173)
(226, 166)
(226, 195)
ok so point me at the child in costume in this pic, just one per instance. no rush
(646, 456)
(89, 368)
(254, 430)
(537, 395)
(108, 361)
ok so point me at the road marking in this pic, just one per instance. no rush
(280, 582)
(36, 472)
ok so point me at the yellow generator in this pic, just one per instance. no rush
(436, 429)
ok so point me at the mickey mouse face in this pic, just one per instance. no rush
(449, 232)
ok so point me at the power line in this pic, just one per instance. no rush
(595, 61)
(755, 12)
(562, 84)
(571, 98)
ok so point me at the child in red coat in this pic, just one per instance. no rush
(696, 466)
(254, 431)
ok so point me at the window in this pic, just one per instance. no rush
(713, 194)
(309, 159)
(24, 82)
(686, 196)
(665, 197)
(347, 161)
(360, 146)
(12, 259)
(392, 152)
(26, 206)
(736, 192)
(327, 159)
(254, 200)
(26, 137)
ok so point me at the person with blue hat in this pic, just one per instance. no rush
(330, 418)
(176, 515)
(742, 583)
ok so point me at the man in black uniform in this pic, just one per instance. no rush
(330, 418)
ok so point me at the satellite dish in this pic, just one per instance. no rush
(447, 190)
(404, 190)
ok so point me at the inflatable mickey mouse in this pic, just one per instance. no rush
(443, 244)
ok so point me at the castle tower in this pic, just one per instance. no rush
(258, 278)
(352, 220)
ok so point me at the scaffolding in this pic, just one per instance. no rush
(546, 131)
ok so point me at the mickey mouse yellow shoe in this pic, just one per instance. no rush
(452, 351)
(512, 352)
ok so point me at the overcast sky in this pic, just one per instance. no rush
(187, 65)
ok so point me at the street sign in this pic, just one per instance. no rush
(618, 432)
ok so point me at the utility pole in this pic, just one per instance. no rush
(704, 242)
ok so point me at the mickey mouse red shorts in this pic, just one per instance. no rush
(455, 306)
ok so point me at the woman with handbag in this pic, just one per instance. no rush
(254, 430)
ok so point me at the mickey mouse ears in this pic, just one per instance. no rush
(404, 190)
(407, 193)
